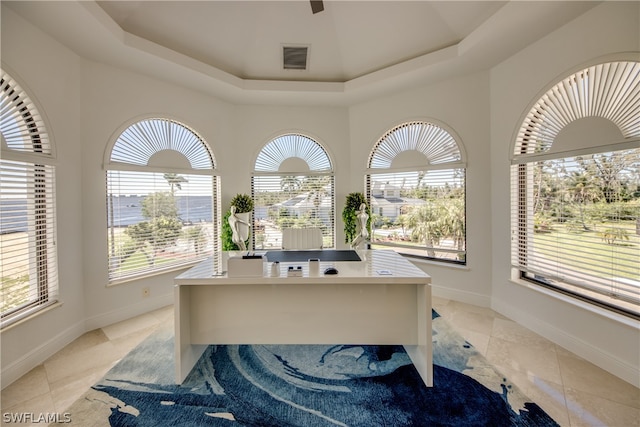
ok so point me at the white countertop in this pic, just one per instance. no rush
(377, 266)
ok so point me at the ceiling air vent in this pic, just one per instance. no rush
(295, 57)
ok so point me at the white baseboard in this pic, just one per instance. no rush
(127, 312)
(38, 355)
(595, 355)
(461, 296)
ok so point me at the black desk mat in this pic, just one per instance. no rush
(304, 256)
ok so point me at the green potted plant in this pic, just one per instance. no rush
(350, 215)
(243, 205)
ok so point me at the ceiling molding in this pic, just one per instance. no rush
(87, 29)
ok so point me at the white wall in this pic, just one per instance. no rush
(50, 73)
(87, 104)
(515, 84)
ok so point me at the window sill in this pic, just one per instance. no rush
(440, 264)
(134, 278)
(31, 315)
(602, 312)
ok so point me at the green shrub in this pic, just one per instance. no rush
(242, 202)
(350, 215)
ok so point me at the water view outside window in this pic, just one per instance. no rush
(157, 220)
(28, 249)
(162, 199)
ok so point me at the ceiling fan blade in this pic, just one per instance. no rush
(316, 6)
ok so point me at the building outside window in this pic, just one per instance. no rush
(162, 200)
(28, 253)
(416, 188)
(575, 188)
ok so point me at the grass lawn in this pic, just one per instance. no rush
(574, 248)
(15, 291)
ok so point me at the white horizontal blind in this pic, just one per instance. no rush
(292, 186)
(575, 217)
(141, 141)
(28, 260)
(576, 225)
(299, 201)
(22, 127)
(416, 189)
(428, 139)
(159, 221)
(28, 254)
(419, 213)
(610, 90)
(275, 155)
(162, 199)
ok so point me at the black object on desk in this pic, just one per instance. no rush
(330, 270)
(326, 255)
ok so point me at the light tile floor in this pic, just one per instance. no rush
(570, 389)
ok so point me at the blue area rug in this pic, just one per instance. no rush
(306, 385)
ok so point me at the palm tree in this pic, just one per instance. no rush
(454, 222)
(197, 237)
(290, 184)
(427, 226)
(403, 221)
(582, 189)
(175, 181)
(608, 171)
(316, 187)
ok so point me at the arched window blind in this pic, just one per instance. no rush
(610, 91)
(575, 188)
(416, 188)
(162, 199)
(292, 186)
(28, 257)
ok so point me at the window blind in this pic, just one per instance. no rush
(419, 213)
(610, 91)
(576, 225)
(22, 127)
(299, 201)
(436, 144)
(28, 260)
(416, 189)
(159, 221)
(292, 186)
(28, 254)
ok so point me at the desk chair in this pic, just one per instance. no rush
(301, 238)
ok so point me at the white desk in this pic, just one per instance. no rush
(357, 306)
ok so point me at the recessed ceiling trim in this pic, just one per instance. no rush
(82, 26)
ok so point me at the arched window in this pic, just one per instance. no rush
(416, 188)
(292, 186)
(575, 188)
(28, 257)
(162, 199)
